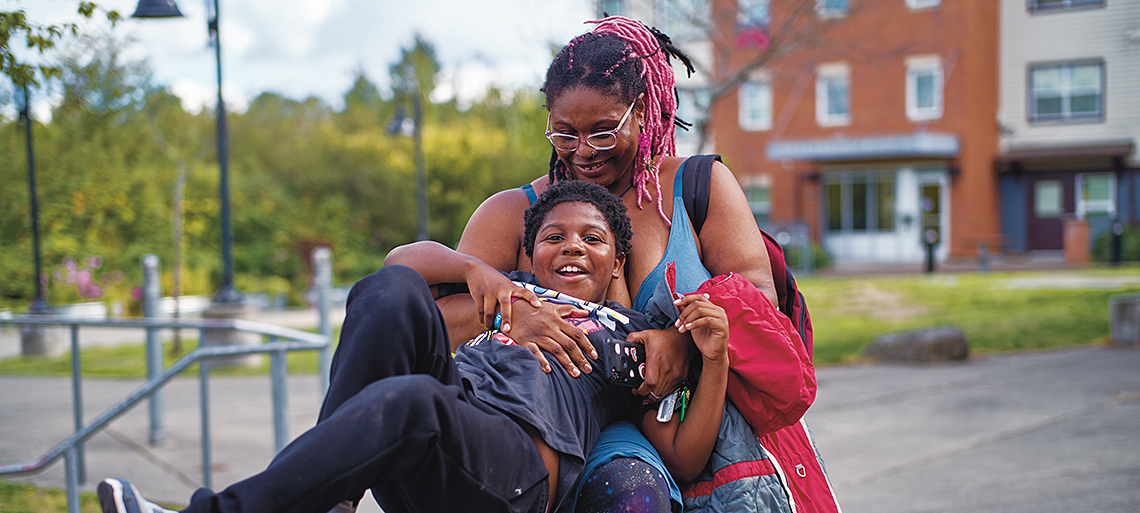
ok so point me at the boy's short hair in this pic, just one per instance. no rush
(609, 205)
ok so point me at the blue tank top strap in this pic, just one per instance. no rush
(529, 189)
(653, 297)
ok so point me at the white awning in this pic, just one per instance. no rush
(918, 145)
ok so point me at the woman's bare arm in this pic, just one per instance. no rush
(729, 239)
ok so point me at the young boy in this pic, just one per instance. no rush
(482, 431)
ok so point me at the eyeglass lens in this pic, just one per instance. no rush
(600, 141)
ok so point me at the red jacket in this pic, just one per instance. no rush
(772, 385)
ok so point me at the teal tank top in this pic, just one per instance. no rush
(653, 297)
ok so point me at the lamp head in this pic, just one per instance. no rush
(157, 9)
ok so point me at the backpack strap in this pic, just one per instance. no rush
(695, 188)
(695, 194)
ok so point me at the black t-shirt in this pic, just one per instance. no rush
(568, 412)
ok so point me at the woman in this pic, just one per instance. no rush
(612, 103)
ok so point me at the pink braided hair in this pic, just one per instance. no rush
(657, 138)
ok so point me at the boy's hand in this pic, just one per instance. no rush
(493, 294)
(707, 323)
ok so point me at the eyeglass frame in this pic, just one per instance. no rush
(550, 134)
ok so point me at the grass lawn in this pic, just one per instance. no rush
(24, 498)
(997, 311)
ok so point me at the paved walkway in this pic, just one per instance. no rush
(1034, 432)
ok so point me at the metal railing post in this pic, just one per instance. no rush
(77, 401)
(322, 277)
(279, 369)
(151, 292)
(204, 401)
(71, 462)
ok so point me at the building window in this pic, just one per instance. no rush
(684, 20)
(861, 203)
(1066, 91)
(885, 199)
(833, 95)
(755, 102)
(1047, 196)
(832, 8)
(922, 4)
(753, 13)
(1096, 194)
(924, 88)
(1054, 5)
(611, 7)
(759, 194)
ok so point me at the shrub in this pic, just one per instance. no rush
(1129, 246)
(820, 258)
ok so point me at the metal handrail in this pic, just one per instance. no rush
(282, 340)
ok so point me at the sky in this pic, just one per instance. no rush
(303, 48)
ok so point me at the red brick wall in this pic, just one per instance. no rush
(874, 40)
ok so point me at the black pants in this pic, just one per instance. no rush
(396, 420)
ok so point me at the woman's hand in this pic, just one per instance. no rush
(543, 328)
(667, 361)
(493, 294)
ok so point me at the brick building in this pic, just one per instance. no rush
(882, 135)
(874, 124)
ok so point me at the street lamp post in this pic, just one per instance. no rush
(228, 303)
(421, 175)
(168, 9)
(39, 303)
(399, 126)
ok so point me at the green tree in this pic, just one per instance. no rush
(14, 25)
(417, 71)
(364, 108)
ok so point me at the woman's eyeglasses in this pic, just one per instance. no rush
(600, 141)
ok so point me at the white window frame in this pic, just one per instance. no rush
(922, 4)
(824, 11)
(872, 203)
(1066, 92)
(824, 74)
(1035, 7)
(1085, 205)
(754, 104)
(923, 65)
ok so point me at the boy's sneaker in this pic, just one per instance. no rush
(120, 496)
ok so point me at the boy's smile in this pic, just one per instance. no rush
(574, 252)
